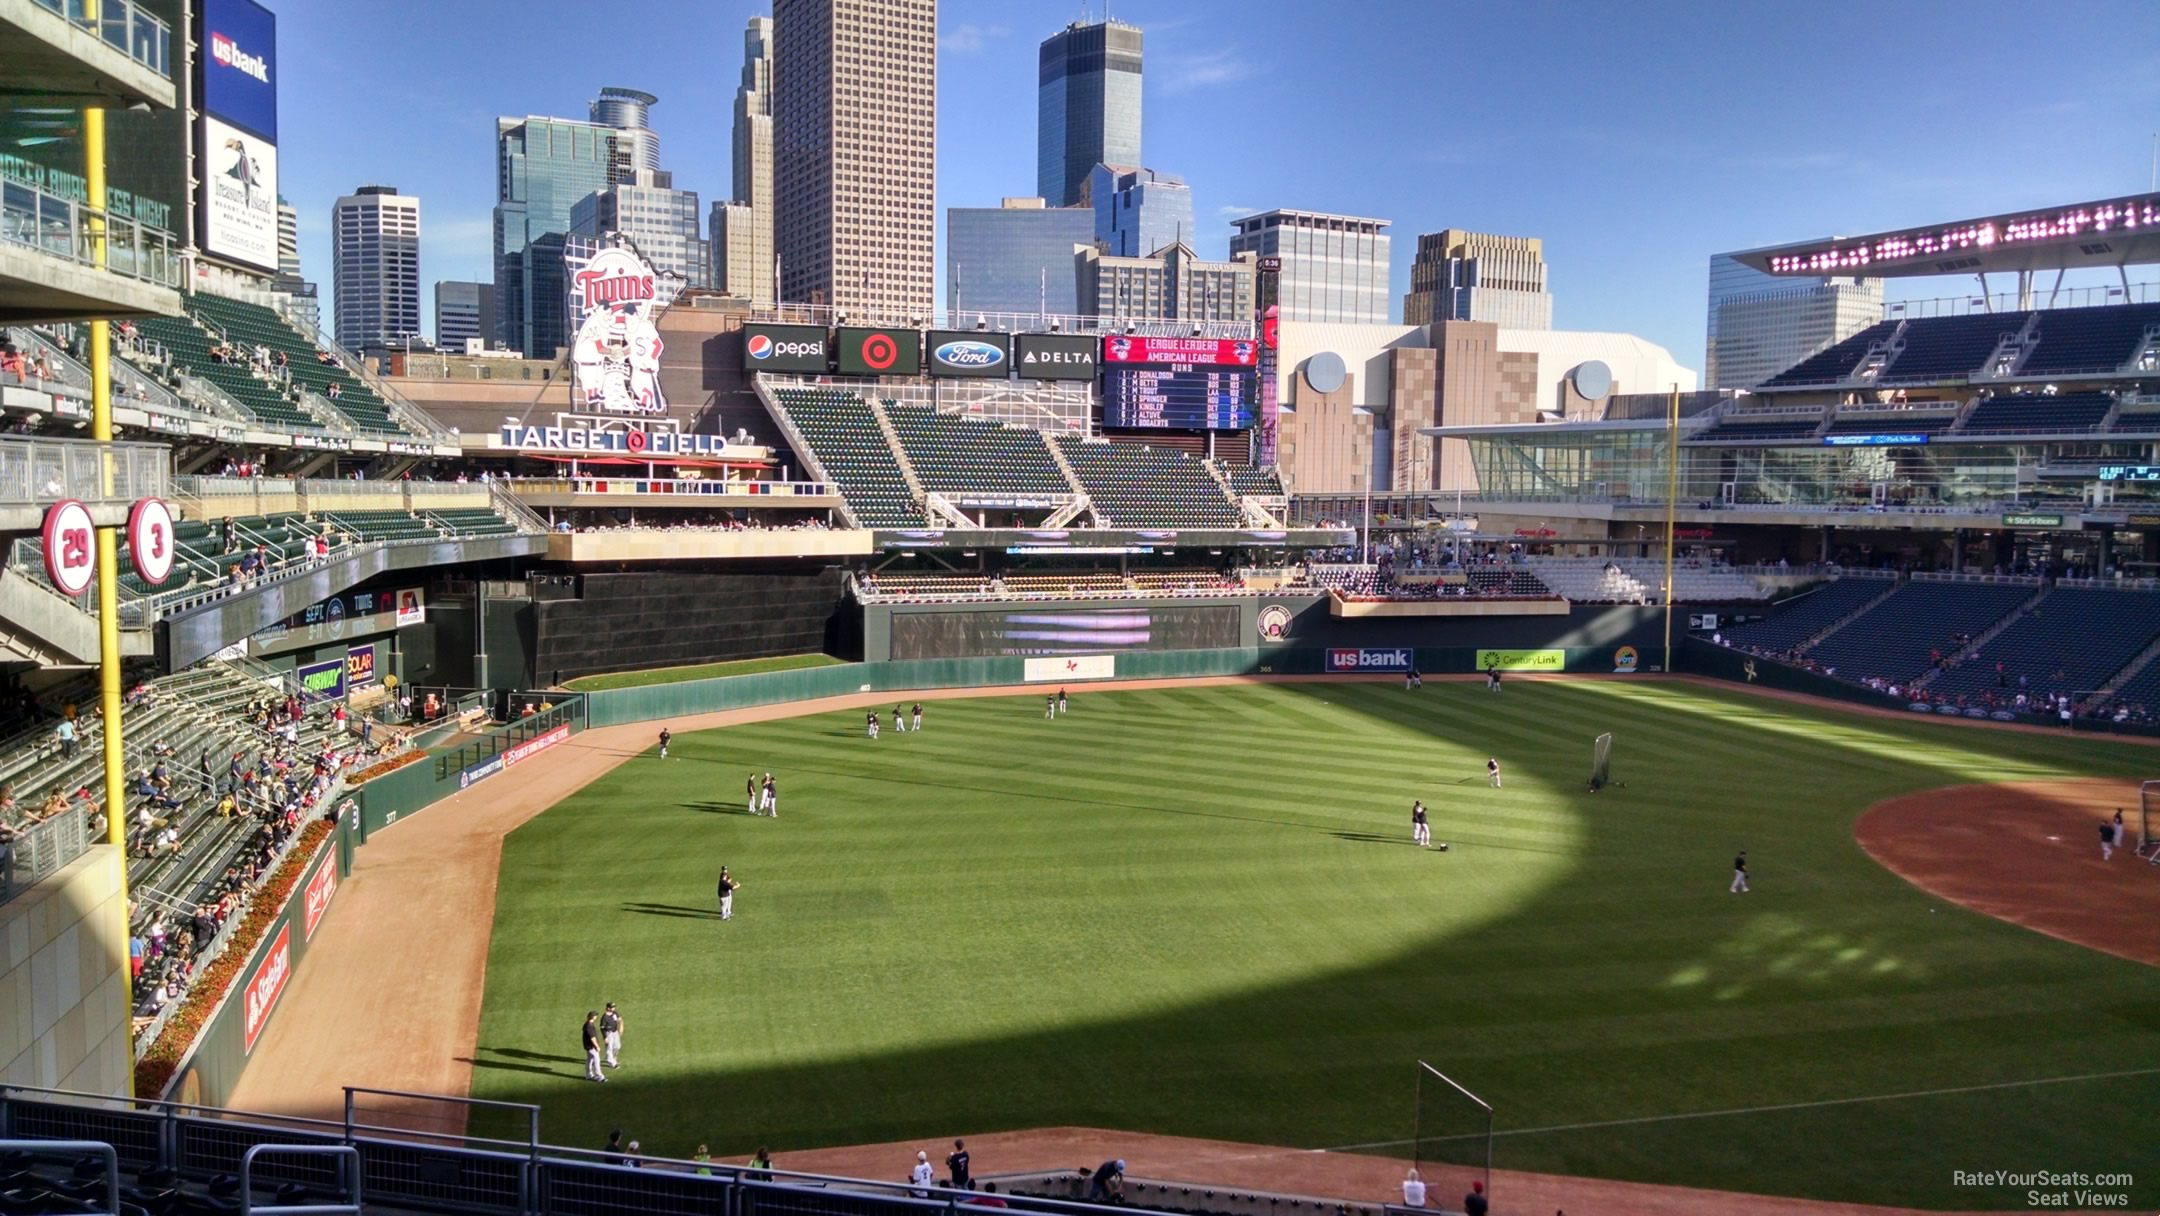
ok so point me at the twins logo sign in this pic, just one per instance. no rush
(616, 356)
(1274, 623)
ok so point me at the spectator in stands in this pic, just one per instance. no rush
(65, 733)
(987, 1198)
(921, 1175)
(956, 1161)
(1474, 1204)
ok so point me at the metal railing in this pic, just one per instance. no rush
(38, 851)
(124, 26)
(43, 470)
(664, 487)
(567, 710)
(62, 228)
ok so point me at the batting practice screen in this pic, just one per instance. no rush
(1034, 631)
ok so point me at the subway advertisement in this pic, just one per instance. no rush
(785, 348)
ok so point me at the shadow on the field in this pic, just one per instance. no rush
(717, 808)
(676, 910)
(478, 1060)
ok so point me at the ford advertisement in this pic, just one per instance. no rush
(1396, 659)
(785, 348)
(956, 352)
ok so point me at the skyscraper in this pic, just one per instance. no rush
(743, 261)
(660, 220)
(1759, 324)
(1016, 257)
(375, 266)
(855, 153)
(1474, 276)
(1170, 283)
(637, 145)
(304, 307)
(1334, 267)
(1138, 211)
(543, 167)
(463, 311)
(1087, 107)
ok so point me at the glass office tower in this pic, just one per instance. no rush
(1087, 107)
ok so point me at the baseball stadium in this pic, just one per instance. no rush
(804, 759)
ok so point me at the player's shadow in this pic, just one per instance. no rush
(676, 910)
(1371, 838)
(716, 808)
(513, 1054)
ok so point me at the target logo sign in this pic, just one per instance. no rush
(880, 351)
(150, 540)
(636, 441)
(70, 547)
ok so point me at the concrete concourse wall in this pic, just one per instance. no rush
(64, 983)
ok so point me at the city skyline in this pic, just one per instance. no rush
(1632, 195)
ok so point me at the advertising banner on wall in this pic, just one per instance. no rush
(785, 348)
(1393, 659)
(324, 681)
(239, 65)
(239, 194)
(1055, 356)
(1522, 660)
(360, 666)
(1059, 668)
(615, 300)
(956, 352)
(879, 352)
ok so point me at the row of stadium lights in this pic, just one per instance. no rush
(1981, 235)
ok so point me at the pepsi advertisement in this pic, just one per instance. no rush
(239, 65)
(785, 348)
(959, 352)
(880, 352)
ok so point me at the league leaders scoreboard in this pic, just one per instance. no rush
(1179, 383)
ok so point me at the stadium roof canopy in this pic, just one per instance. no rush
(2115, 232)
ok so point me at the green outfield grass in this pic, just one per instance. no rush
(1196, 911)
(701, 671)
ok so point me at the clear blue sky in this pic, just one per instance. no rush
(1636, 139)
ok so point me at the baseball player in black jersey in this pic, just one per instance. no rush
(590, 1037)
(728, 887)
(611, 1035)
(665, 735)
(1420, 831)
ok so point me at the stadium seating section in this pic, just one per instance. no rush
(2089, 339)
(1782, 426)
(1636, 580)
(1809, 614)
(1246, 480)
(246, 326)
(2066, 341)
(957, 456)
(1901, 423)
(1836, 361)
(2068, 643)
(1895, 639)
(845, 440)
(2013, 412)
(1134, 486)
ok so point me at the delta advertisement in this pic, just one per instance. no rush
(1055, 356)
(880, 352)
(615, 298)
(785, 348)
(239, 194)
(976, 354)
(1522, 660)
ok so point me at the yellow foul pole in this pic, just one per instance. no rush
(1672, 506)
(108, 543)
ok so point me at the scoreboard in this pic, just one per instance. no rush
(1193, 384)
(1193, 398)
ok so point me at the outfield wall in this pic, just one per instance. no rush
(902, 630)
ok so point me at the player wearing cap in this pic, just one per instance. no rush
(1420, 831)
(611, 1034)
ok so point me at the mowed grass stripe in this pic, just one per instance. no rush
(1196, 911)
